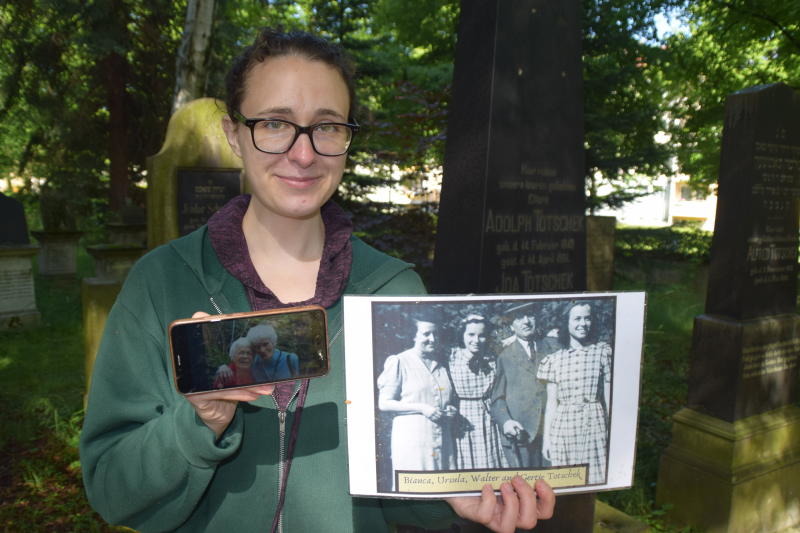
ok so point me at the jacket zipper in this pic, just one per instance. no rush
(335, 335)
(282, 449)
(219, 311)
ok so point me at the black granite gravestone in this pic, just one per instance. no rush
(511, 216)
(732, 464)
(201, 192)
(13, 227)
(747, 346)
(754, 251)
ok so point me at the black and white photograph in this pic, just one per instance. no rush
(446, 394)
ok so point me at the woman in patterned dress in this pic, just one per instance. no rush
(414, 386)
(472, 370)
(575, 420)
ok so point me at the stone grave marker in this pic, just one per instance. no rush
(193, 174)
(58, 255)
(737, 444)
(13, 227)
(511, 216)
(201, 192)
(17, 292)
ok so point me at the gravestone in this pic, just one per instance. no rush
(193, 174)
(13, 227)
(734, 460)
(600, 233)
(58, 254)
(201, 192)
(511, 215)
(17, 293)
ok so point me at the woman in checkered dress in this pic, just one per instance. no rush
(472, 370)
(575, 420)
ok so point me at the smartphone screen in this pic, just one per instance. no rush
(244, 349)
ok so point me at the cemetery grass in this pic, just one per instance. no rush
(41, 412)
(42, 386)
(675, 295)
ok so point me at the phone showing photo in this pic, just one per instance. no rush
(245, 349)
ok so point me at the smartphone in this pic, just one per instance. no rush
(245, 349)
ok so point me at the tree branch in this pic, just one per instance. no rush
(795, 41)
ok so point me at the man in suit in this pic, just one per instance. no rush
(518, 397)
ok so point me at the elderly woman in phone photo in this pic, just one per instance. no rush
(578, 393)
(271, 363)
(472, 370)
(240, 369)
(415, 388)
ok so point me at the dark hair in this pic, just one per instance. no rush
(480, 364)
(275, 43)
(470, 319)
(563, 330)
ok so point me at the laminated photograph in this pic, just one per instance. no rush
(448, 393)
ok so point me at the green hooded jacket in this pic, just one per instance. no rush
(151, 464)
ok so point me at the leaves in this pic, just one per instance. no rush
(731, 45)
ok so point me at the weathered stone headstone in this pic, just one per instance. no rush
(734, 460)
(600, 233)
(201, 192)
(17, 293)
(58, 253)
(193, 174)
(195, 143)
(511, 216)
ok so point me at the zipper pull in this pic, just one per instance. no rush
(282, 420)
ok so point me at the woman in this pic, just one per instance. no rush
(240, 460)
(472, 370)
(415, 387)
(271, 363)
(240, 368)
(575, 420)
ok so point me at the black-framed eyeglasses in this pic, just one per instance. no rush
(277, 136)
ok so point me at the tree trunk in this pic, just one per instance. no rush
(115, 75)
(192, 59)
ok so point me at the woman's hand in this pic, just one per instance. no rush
(432, 413)
(216, 408)
(546, 446)
(519, 506)
(224, 372)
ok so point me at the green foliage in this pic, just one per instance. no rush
(623, 108)
(60, 63)
(731, 45)
(41, 392)
(678, 242)
(671, 308)
(403, 233)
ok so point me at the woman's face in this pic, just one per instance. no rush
(580, 322)
(243, 357)
(425, 338)
(294, 184)
(264, 348)
(475, 337)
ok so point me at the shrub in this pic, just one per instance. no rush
(679, 242)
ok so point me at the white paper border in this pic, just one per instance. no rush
(360, 383)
